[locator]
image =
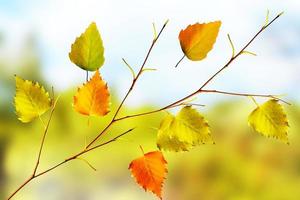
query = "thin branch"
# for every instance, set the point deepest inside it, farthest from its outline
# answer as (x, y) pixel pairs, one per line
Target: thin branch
(249, 52)
(149, 69)
(240, 52)
(130, 68)
(232, 46)
(246, 95)
(267, 18)
(44, 137)
(130, 88)
(34, 176)
(39, 154)
(87, 162)
(154, 31)
(208, 80)
(181, 59)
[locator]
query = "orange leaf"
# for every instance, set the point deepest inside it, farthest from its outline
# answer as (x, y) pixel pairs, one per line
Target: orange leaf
(93, 97)
(198, 39)
(149, 171)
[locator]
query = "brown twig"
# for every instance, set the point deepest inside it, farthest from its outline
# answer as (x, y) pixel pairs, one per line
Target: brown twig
(44, 137)
(34, 176)
(134, 81)
(246, 95)
(39, 154)
(208, 80)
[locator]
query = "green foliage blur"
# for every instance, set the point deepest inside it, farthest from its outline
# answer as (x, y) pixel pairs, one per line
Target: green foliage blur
(242, 164)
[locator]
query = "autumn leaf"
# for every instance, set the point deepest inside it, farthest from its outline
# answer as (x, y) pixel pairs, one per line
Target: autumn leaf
(93, 97)
(31, 100)
(87, 52)
(181, 132)
(198, 39)
(150, 171)
(270, 120)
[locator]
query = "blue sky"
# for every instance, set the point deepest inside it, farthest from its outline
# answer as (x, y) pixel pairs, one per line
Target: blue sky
(126, 28)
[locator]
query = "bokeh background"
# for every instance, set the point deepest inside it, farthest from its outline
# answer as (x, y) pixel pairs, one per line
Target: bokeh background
(35, 38)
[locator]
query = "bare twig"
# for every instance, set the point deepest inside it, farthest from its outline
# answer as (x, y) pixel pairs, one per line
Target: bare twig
(34, 176)
(208, 80)
(39, 154)
(44, 137)
(247, 95)
(134, 81)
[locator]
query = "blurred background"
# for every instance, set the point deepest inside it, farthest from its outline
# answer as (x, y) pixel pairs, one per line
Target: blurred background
(35, 38)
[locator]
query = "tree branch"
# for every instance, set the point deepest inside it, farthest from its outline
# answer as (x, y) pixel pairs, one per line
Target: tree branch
(246, 95)
(174, 104)
(134, 81)
(43, 138)
(208, 80)
(34, 176)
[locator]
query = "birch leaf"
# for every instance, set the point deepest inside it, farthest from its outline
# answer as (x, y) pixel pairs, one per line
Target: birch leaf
(87, 52)
(270, 120)
(31, 100)
(150, 171)
(92, 98)
(181, 132)
(198, 39)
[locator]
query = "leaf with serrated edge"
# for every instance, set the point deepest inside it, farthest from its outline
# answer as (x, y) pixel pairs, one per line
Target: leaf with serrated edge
(150, 171)
(93, 98)
(198, 39)
(31, 100)
(87, 52)
(270, 120)
(182, 132)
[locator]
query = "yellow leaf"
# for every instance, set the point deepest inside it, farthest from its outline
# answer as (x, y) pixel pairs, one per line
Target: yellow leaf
(198, 39)
(270, 120)
(31, 100)
(87, 50)
(180, 133)
(93, 97)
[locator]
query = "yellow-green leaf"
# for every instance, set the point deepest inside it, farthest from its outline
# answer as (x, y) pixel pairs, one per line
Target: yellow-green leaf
(183, 131)
(270, 120)
(87, 52)
(198, 39)
(31, 100)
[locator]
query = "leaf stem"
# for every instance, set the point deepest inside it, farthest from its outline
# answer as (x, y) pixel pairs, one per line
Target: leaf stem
(181, 59)
(87, 76)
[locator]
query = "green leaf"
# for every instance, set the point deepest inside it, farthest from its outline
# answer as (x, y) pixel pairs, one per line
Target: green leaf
(270, 120)
(181, 132)
(87, 52)
(31, 100)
